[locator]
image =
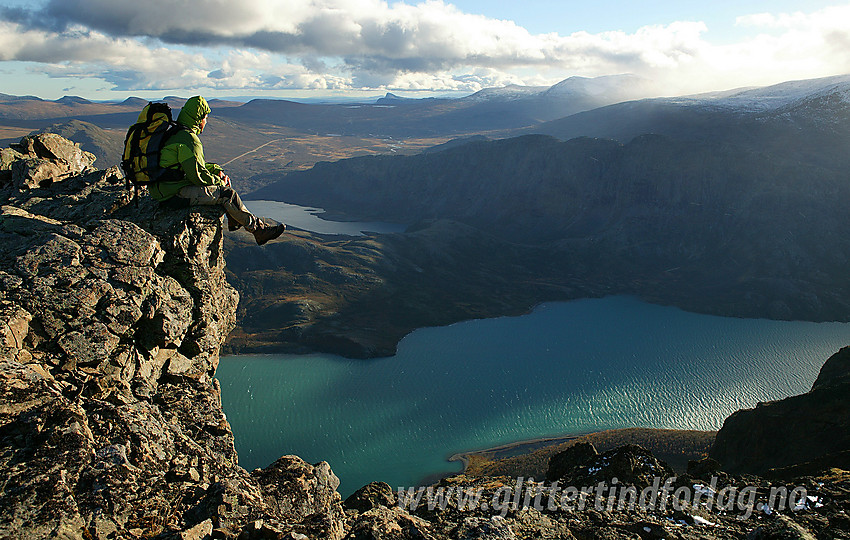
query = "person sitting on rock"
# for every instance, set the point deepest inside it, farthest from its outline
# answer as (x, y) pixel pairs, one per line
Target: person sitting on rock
(204, 183)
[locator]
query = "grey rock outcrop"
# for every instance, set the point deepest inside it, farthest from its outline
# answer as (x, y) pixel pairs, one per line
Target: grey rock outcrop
(111, 319)
(631, 464)
(781, 528)
(795, 435)
(40, 160)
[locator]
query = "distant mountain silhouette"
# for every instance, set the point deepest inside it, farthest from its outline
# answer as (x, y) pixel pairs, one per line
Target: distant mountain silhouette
(73, 100)
(392, 99)
(34, 108)
(506, 108)
(135, 102)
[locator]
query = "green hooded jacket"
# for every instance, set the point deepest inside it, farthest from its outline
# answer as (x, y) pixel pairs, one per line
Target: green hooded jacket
(184, 149)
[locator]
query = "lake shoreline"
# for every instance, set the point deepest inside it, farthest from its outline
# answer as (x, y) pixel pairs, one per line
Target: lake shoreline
(316, 220)
(512, 448)
(522, 450)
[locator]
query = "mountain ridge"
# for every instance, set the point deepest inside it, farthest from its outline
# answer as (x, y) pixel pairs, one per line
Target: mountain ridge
(713, 116)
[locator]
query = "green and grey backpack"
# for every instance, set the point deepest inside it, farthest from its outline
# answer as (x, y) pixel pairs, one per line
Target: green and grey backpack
(143, 144)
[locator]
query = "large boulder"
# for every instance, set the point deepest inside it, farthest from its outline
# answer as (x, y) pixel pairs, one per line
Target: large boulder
(42, 159)
(630, 464)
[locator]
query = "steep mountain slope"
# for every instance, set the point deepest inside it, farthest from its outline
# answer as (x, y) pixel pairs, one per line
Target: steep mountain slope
(783, 135)
(111, 319)
(793, 436)
(709, 228)
(359, 296)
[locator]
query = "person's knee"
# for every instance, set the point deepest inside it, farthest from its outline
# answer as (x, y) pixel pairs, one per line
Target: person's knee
(228, 194)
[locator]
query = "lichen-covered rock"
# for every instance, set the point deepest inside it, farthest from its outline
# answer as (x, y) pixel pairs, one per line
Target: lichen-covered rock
(780, 528)
(563, 464)
(297, 489)
(7, 157)
(629, 464)
(112, 314)
(476, 528)
(44, 159)
(390, 524)
(371, 496)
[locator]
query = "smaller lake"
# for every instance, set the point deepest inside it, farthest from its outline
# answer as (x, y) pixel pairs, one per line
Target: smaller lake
(309, 219)
(565, 368)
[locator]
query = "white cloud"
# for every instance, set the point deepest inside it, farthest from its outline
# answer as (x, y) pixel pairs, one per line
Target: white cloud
(127, 63)
(344, 44)
(784, 47)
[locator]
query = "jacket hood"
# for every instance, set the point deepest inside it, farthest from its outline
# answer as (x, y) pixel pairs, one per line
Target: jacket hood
(195, 109)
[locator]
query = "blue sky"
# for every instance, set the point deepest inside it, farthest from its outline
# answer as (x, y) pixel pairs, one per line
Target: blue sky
(110, 49)
(602, 15)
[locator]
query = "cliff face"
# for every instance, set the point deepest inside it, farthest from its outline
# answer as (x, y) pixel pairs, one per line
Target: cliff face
(796, 435)
(731, 230)
(111, 319)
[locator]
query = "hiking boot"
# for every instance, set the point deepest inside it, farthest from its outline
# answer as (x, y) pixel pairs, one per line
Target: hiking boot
(265, 233)
(232, 224)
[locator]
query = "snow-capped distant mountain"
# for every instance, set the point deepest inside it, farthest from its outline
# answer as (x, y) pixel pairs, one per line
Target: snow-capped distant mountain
(608, 89)
(817, 103)
(533, 104)
(771, 97)
(610, 85)
(510, 92)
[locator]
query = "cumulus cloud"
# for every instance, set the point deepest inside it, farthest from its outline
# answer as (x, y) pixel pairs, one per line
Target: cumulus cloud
(794, 46)
(428, 36)
(344, 44)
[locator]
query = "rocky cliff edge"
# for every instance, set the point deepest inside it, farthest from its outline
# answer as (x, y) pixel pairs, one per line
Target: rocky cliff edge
(111, 317)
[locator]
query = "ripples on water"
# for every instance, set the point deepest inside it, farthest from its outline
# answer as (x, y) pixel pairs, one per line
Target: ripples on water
(565, 368)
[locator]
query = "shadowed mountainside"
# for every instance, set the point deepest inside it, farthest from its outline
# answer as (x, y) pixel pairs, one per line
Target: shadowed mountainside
(726, 230)
(745, 219)
(808, 119)
(359, 296)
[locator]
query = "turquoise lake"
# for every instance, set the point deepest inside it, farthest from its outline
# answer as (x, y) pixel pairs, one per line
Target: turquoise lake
(565, 368)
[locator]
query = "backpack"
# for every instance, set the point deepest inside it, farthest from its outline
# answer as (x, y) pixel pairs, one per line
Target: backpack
(143, 144)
